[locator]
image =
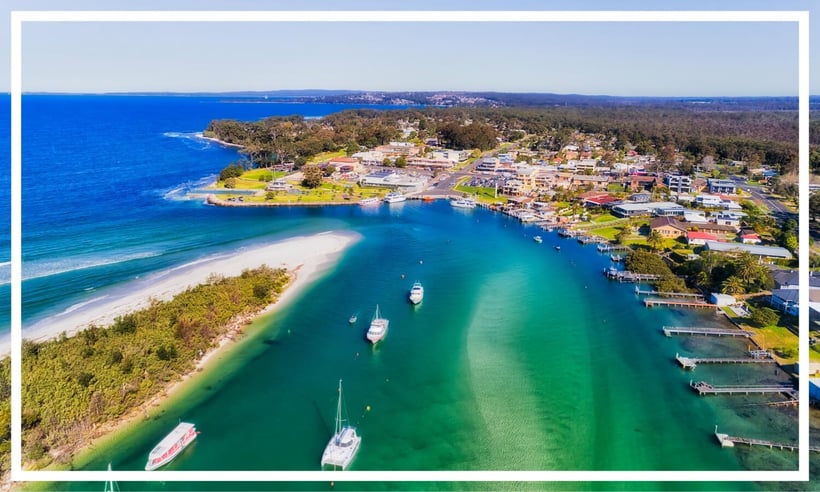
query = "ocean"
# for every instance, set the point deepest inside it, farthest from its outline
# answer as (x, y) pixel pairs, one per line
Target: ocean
(520, 357)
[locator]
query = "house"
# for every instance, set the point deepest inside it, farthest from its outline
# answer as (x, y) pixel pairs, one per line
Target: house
(717, 229)
(594, 182)
(722, 186)
(679, 184)
(708, 200)
(594, 199)
(513, 187)
(722, 299)
(632, 209)
(786, 300)
(698, 238)
(749, 237)
(667, 227)
(488, 165)
(640, 182)
(344, 165)
(727, 219)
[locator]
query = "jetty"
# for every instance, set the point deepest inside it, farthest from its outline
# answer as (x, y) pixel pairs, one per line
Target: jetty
(704, 388)
(682, 295)
(696, 330)
(756, 357)
(627, 276)
(727, 441)
(606, 248)
(677, 303)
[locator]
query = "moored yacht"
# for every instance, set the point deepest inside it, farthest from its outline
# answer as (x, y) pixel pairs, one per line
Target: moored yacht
(416, 293)
(463, 203)
(394, 197)
(343, 446)
(378, 327)
(373, 200)
(171, 445)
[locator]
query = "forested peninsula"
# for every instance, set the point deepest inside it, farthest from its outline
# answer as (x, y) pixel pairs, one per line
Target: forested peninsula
(73, 385)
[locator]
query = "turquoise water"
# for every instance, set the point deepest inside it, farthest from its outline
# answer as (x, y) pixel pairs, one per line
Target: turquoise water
(519, 358)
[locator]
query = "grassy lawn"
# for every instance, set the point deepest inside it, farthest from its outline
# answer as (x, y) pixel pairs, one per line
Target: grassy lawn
(482, 193)
(607, 232)
(607, 217)
(777, 339)
(326, 156)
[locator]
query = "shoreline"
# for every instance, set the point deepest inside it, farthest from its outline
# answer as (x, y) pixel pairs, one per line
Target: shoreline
(239, 330)
(310, 253)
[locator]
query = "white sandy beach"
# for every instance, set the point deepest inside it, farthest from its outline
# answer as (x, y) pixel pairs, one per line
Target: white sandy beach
(310, 254)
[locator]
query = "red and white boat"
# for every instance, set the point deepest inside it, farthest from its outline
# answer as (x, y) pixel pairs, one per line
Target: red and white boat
(171, 445)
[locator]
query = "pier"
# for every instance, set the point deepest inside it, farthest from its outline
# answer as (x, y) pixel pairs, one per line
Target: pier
(606, 248)
(728, 441)
(677, 303)
(704, 388)
(692, 362)
(682, 295)
(695, 330)
(627, 276)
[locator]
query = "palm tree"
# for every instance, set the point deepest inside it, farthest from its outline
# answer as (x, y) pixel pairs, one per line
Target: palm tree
(654, 239)
(733, 285)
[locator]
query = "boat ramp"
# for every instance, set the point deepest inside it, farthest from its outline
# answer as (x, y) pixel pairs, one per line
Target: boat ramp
(696, 330)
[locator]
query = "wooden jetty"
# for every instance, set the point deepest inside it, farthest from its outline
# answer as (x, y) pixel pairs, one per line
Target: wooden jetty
(704, 388)
(606, 248)
(590, 239)
(728, 441)
(682, 295)
(627, 276)
(696, 330)
(677, 303)
(692, 362)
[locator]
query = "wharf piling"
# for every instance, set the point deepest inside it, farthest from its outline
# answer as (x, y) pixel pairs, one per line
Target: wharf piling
(696, 330)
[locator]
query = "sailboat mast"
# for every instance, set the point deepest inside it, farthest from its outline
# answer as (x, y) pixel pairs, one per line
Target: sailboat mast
(339, 410)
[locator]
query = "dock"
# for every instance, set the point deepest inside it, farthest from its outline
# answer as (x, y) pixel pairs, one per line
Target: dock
(682, 295)
(606, 248)
(677, 303)
(692, 362)
(696, 330)
(627, 276)
(728, 441)
(704, 388)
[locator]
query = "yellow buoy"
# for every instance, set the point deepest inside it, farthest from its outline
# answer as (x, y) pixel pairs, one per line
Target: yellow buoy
(367, 408)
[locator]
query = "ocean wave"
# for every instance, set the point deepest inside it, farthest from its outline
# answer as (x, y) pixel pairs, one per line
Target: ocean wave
(46, 268)
(74, 307)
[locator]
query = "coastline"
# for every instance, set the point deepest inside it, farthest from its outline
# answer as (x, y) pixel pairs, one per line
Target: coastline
(324, 250)
(218, 141)
(308, 253)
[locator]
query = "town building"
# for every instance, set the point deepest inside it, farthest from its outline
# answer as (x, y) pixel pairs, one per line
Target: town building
(763, 252)
(679, 184)
(722, 186)
(634, 209)
(668, 227)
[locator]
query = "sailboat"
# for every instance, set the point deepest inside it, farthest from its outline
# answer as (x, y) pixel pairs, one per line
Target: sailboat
(343, 446)
(110, 485)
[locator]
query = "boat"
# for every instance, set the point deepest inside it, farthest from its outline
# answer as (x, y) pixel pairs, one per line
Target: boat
(537, 239)
(557, 248)
(343, 446)
(378, 327)
(394, 197)
(616, 258)
(416, 293)
(428, 199)
(463, 203)
(373, 200)
(353, 318)
(171, 445)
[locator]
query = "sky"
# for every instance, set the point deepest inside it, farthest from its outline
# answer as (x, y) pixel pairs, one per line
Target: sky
(623, 59)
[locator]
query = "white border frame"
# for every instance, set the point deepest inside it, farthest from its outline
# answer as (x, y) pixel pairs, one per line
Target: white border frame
(20, 17)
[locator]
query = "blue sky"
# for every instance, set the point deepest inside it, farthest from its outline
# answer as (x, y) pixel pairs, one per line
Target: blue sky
(634, 59)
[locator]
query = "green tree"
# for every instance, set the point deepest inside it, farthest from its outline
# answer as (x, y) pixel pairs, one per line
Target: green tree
(654, 240)
(622, 235)
(312, 176)
(733, 285)
(230, 183)
(401, 162)
(765, 316)
(233, 170)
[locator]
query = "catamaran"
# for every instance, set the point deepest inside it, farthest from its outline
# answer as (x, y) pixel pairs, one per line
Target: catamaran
(416, 293)
(378, 327)
(171, 445)
(343, 446)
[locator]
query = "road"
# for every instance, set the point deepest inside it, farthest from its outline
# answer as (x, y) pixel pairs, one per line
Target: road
(777, 208)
